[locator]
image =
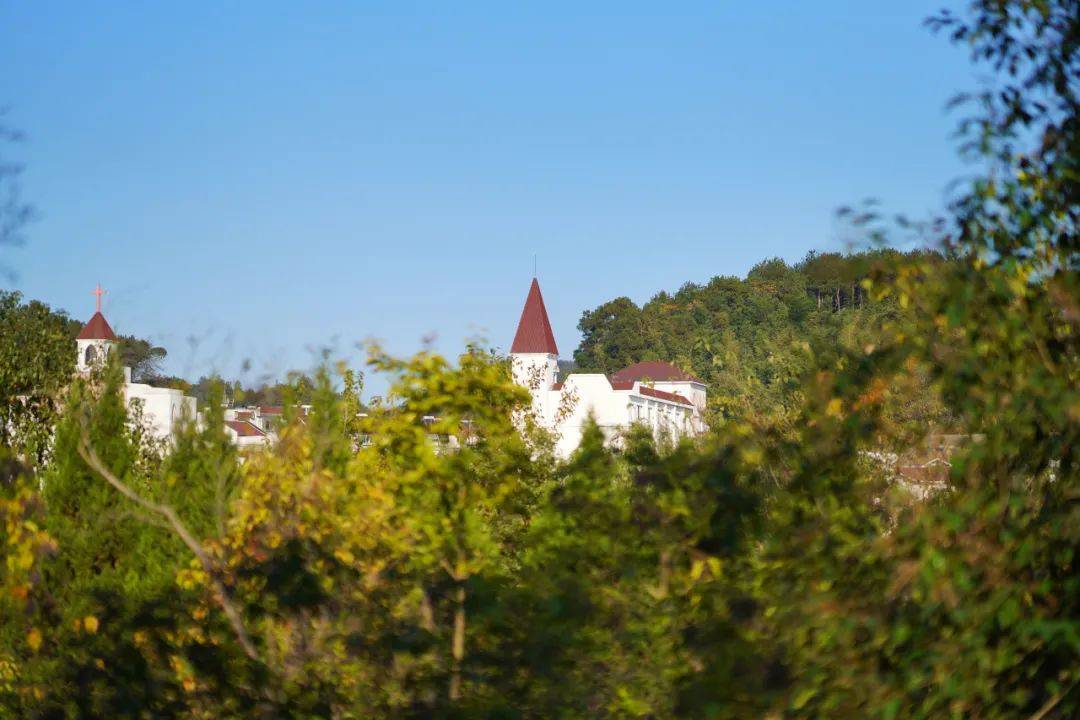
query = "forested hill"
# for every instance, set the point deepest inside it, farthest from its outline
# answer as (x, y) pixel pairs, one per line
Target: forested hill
(748, 338)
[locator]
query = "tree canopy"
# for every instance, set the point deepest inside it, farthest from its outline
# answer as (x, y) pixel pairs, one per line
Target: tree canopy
(753, 340)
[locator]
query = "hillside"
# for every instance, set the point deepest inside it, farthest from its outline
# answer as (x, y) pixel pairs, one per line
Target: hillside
(750, 339)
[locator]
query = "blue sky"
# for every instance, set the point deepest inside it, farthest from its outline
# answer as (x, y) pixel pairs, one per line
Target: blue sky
(270, 177)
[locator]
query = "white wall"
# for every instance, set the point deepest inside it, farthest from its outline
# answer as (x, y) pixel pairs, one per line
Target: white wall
(102, 348)
(246, 441)
(695, 392)
(163, 409)
(536, 371)
(566, 411)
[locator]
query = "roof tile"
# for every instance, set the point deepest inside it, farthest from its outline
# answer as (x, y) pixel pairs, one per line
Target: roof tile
(244, 429)
(534, 329)
(661, 395)
(97, 329)
(653, 370)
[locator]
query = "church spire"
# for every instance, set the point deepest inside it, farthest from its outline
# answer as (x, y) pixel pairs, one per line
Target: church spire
(98, 327)
(534, 329)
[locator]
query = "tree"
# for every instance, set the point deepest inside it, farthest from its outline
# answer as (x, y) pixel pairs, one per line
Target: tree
(612, 336)
(142, 357)
(37, 359)
(463, 491)
(967, 605)
(351, 406)
(752, 340)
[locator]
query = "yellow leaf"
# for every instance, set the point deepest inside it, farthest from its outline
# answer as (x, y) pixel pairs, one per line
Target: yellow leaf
(91, 624)
(33, 639)
(836, 405)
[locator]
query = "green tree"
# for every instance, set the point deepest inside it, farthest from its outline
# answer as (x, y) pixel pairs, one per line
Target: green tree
(142, 357)
(37, 359)
(351, 406)
(613, 336)
(965, 607)
(752, 339)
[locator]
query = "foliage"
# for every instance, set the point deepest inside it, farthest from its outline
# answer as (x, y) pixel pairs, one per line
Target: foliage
(37, 358)
(143, 357)
(351, 406)
(37, 361)
(24, 545)
(754, 340)
(297, 387)
(968, 606)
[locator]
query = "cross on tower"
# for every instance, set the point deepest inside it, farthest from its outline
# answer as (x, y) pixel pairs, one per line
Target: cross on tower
(98, 292)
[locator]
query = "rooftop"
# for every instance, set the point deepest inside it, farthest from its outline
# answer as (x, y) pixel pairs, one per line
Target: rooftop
(97, 329)
(244, 429)
(661, 395)
(653, 370)
(534, 329)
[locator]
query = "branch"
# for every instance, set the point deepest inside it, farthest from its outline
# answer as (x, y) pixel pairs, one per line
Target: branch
(174, 522)
(1052, 703)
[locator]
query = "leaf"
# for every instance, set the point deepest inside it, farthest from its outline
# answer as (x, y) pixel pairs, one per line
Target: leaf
(33, 639)
(803, 697)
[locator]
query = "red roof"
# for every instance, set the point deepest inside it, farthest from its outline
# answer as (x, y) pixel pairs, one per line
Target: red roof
(97, 329)
(534, 329)
(652, 370)
(271, 409)
(244, 429)
(621, 384)
(660, 394)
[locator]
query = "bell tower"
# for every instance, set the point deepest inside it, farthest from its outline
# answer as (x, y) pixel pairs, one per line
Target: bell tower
(534, 355)
(95, 341)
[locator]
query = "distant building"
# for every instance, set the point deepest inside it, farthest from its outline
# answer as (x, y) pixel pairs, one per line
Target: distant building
(162, 410)
(245, 434)
(658, 395)
(258, 425)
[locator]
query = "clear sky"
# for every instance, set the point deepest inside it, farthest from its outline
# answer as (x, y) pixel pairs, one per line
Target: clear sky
(270, 177)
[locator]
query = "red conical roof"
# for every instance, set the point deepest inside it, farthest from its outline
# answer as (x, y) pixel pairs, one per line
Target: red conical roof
(97, 329)
(534, 329)
(652, 370)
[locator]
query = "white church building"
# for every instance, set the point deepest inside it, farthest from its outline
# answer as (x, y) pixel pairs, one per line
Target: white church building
(658, 394)
(162, 409)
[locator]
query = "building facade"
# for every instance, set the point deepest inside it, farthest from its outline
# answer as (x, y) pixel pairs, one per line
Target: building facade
(658, 395)
(161, 411)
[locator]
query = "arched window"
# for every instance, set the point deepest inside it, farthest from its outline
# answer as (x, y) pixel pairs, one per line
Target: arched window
(91, 355)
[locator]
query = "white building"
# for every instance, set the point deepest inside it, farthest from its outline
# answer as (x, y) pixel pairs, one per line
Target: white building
(258, 425)
(245, 435)
(162, 410)
(251, 427)
(657, 394)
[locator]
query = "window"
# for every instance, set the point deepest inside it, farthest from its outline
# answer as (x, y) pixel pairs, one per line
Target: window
(91, 355)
